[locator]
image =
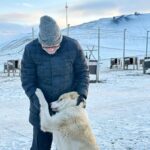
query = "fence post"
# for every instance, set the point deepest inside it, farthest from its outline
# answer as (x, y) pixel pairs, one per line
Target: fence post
(124, 47)
(68, 27)
(147, 43)
(98, 62)
(32, 33)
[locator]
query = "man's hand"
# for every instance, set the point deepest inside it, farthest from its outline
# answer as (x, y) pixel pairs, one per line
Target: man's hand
(82, 100)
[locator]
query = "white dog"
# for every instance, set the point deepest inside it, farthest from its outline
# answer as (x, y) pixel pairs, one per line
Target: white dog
(70, 125)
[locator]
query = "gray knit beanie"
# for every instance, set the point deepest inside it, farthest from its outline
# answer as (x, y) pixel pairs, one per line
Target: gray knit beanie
(49, 32)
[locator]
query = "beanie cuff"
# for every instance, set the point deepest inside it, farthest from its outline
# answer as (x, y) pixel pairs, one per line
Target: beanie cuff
(48, 43)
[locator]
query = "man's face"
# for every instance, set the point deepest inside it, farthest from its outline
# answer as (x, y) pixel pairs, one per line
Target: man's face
(50, 49)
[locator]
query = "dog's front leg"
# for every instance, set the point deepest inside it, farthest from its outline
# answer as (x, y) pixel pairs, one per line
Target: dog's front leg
(46, 120)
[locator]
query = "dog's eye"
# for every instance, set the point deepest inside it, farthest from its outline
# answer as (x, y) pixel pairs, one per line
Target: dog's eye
(60, 99)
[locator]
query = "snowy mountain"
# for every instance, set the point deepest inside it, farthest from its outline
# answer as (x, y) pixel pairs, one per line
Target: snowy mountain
(8, 31)
(13, 38)
(112, 34)
(130, 22)
(112, 31)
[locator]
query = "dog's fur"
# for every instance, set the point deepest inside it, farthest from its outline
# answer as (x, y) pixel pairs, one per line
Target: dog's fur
(70, 125)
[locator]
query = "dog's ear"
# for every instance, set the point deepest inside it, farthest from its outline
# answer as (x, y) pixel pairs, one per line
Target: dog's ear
(74, 95)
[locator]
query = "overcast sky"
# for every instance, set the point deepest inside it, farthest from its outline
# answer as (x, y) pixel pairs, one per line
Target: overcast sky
(79, 11)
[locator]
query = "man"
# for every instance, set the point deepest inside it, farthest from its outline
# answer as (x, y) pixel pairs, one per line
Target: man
(55, 64)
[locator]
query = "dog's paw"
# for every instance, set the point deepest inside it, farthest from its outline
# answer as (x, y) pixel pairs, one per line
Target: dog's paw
(41, 98)
(38, 92)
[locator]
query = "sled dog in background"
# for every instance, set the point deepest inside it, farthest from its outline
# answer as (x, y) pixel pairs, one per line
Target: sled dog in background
(70, 125)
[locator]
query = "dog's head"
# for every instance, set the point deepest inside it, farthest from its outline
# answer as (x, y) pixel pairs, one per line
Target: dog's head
(65, 101)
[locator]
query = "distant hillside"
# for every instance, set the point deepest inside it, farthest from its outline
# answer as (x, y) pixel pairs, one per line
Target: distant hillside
(132, 21)
(8, 31)
(13, 37)
(112, 34)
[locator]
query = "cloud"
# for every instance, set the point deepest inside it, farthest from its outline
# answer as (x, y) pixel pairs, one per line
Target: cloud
(94, 7)
(104, 8)
(27, 5)
(126, 6)
(78, 11)
(87, 10)
(22, 18)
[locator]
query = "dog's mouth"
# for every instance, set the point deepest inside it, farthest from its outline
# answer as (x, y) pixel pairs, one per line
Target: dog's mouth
(54, 106)
(55, 109)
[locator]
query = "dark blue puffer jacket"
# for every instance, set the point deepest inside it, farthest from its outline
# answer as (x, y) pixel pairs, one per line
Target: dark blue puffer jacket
(56, 74)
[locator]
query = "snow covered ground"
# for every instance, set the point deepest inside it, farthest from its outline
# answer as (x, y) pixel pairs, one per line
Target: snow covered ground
(118, 108)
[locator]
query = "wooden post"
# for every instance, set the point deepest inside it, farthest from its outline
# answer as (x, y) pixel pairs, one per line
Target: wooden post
(32, 33)
(147, 43)
(68, 29)
(98, 62)
(124, 47)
